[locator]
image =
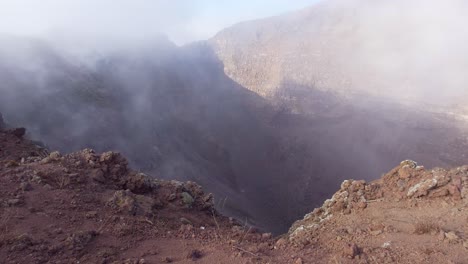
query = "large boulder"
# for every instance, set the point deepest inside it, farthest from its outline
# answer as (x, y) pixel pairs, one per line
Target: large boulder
(18, 132)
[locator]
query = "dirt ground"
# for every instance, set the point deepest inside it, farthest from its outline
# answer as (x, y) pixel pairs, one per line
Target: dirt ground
(87, 207)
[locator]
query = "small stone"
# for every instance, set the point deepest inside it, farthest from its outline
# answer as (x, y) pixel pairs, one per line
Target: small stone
(98, 175)
(11, 164)
(410, 163)
(387, 244)
(36, 179)
(422, 188)
(172, 197)
(14, 202)
(167, 260)
(55, 155)
(362, 205)
(195, 254)
(299, 261)
(267, 236)
(351, 251)
(123, 201)
(452, 237)
(439, 193)
(376, 232)
(79, 240)
(91, 214)
(185, 221)
(187, 199)
(45, 160)
(282, 242)
(18, 132)
(25, 186)
(345, 185)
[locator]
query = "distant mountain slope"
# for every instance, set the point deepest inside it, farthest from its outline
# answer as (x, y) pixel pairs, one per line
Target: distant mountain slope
(400, 49)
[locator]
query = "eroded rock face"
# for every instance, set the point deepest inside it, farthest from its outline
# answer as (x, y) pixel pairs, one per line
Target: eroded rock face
(312, 47)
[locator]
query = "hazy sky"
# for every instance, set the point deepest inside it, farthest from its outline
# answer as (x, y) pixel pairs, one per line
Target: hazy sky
(181, 20)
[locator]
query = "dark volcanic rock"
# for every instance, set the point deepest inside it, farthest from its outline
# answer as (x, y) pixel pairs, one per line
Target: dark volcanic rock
(2, 123)
(18, 132)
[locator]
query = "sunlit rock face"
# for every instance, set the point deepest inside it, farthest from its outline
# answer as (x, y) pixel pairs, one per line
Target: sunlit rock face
(405, 50)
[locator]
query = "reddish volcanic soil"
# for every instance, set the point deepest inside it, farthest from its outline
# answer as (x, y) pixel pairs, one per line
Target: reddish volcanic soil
(87, 207)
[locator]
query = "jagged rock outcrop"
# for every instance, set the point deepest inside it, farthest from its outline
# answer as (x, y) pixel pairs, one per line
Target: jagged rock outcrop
(84, 202)
(406, 182)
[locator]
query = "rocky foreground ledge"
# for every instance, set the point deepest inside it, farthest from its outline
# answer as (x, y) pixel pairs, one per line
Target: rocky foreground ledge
(410, 213)
(87, 207)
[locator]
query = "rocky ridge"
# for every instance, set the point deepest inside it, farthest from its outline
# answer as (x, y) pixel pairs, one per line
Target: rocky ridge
(419, 201)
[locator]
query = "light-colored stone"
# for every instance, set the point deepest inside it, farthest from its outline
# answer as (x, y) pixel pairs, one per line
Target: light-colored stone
(452, 237)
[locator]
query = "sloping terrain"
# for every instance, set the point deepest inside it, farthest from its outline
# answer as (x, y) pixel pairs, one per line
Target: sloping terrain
(91, 208)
